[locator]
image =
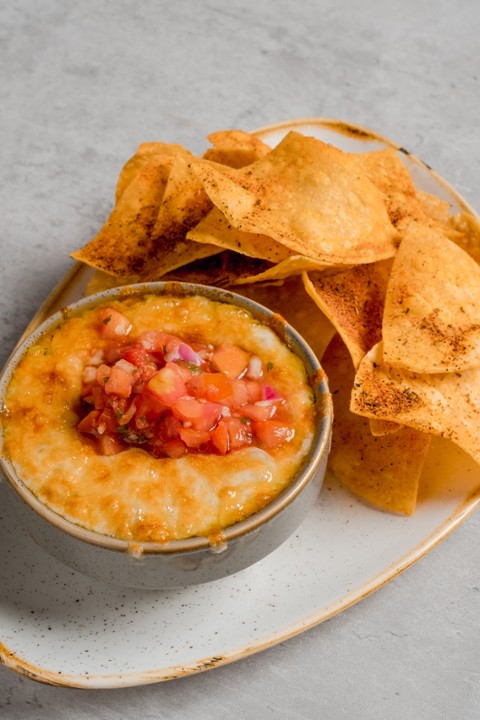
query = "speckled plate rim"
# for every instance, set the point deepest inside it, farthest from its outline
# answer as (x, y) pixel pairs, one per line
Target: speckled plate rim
(72, 286)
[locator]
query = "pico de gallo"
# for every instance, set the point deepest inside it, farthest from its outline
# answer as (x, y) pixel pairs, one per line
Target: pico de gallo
(171, 396)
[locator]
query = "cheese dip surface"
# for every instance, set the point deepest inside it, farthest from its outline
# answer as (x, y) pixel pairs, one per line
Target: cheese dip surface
(133, 487)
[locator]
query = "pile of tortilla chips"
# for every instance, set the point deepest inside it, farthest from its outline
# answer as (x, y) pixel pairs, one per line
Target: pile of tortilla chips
(380, 278)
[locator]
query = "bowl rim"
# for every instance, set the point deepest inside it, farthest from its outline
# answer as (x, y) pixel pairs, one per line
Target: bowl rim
(291, 337)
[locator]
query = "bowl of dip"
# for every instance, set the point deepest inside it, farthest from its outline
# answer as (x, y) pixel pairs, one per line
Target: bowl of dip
(163, 434)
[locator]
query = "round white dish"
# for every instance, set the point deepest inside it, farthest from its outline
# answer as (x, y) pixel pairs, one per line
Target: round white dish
(58, 626)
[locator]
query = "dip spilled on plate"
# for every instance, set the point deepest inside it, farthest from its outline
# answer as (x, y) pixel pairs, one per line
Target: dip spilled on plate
(158, 417)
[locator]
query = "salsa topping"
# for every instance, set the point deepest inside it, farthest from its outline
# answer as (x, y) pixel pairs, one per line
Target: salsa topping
(172, 397)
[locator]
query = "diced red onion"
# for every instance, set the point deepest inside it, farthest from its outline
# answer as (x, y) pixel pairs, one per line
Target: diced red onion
(89, 374)
(174, 354)
(255, 369)
(183, 352)
(269, 393)
(188, 354)
(127, 366)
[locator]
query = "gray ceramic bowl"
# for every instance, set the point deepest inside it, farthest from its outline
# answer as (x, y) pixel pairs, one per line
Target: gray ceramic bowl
(194, 560)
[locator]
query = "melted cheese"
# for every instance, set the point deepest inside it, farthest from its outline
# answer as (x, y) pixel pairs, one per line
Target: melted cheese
(133, 495)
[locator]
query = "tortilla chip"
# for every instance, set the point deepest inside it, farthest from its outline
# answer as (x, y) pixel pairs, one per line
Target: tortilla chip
(184, 202)
(382, 427)
(183, 205)
(431, 322)
(235, 148)
(403, 200)
(383, 471)
(387, 172)
(215, 229)
(142, 158)
(125, 243)
(467, 227)
(353, 301)
(289, 299)
(444, 404)
(309, 196)
(221, 270)
(434, 207)
(293, 265)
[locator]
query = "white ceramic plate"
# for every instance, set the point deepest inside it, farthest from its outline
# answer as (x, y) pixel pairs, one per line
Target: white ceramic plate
(62, 628)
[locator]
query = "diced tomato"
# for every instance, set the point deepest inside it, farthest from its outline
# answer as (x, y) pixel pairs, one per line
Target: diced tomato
(158, 342)
(98, 397)
(231, 360)
(258, 411)
(239, 434)
(167, 385)
(240, 394)
(168, 428)
(119, 382)
(220, 438)
(103, 373)
(254, 390)
(273, 433)
(113, 324)
(137, 355)
(194, 438)
(109, 444)
(127, 415)
(200, 415)
(175, 448)
(107, 422)
(148, 410)
(89, 423)
(211, 386)
(184, 371)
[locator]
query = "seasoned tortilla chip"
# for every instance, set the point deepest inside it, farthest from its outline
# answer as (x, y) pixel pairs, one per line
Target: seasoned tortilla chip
(125, 243)
(289, 299)
(383, 471)
(184, 202)
(309, 196)
(431, 321)
(183, 205)
(235, 148)
(387, 172)
(467, 227)
(353, 301)
(142, 158)
(444, 404)
(221, 270)
(215, 229)
(434, 207)
(403, 200)
(293, 265)
(382, 427)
